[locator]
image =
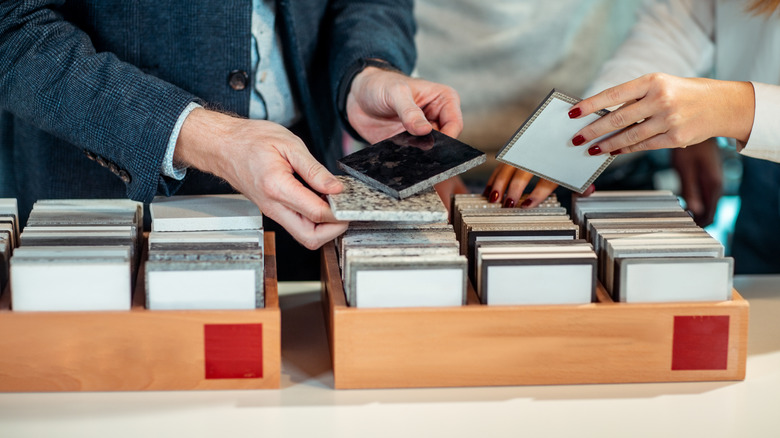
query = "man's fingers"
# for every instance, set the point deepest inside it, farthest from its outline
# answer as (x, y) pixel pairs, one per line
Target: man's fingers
(314, 173)
(289, 192)
(309, 234)
(412, 117)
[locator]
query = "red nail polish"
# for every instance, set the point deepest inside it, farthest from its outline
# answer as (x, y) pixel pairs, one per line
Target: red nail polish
(527, 203)
(578, 140)
(493, 196)
(509, 203)
(594, 150)
(615, 152)
(574, 113)
(486, 192)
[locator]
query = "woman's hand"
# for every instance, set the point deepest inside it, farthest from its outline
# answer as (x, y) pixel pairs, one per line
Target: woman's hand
(664, 111)
(512, 182)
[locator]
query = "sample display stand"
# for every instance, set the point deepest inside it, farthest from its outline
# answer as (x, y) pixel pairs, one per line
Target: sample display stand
(143, 349)
(478, 345)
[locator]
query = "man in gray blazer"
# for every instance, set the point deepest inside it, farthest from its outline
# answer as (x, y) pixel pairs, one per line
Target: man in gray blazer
(110, 98)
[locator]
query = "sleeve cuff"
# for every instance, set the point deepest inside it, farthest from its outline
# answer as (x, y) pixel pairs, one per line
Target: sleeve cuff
(168, 168)
(765, 134)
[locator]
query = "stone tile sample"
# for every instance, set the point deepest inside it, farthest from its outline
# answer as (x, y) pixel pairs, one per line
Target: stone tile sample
(204, 213)
(404, 164)
(359, 202)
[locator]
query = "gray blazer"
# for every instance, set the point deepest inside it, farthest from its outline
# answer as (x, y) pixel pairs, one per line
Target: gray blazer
(90, 89)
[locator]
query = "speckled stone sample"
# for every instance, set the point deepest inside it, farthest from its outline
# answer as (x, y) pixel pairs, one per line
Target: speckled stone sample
(359, 202)
(404, 164)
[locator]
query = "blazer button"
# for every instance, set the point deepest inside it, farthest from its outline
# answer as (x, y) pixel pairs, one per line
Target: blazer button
(124, 176)
(101, 161)
(90, 155)
(238, 80)
(113, 168)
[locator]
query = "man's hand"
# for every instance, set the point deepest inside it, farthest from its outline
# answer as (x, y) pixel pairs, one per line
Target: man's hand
(383, 103)
(259, 159)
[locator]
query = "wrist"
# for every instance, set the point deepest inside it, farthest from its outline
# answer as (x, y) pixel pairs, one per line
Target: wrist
(202, 140)
(347, 86)
(738, 109)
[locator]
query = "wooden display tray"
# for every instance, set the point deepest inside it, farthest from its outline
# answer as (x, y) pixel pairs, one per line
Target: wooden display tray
(143, 349)
(478, 345)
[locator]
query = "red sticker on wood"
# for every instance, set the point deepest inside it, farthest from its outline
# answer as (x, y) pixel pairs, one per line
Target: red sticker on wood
(700, 342)
(233, 351)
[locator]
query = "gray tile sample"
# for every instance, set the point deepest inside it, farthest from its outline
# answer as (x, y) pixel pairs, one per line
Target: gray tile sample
(359, 202)
(404, 164)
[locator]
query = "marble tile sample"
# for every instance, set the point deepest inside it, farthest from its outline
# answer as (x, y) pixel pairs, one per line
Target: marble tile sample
(206, 240)
(72, 278)
(204, 213)
(86, 212)
(359, 202)
(9, 212)
(674, 279)
(172, 284)
(406, 164)
(406, 281)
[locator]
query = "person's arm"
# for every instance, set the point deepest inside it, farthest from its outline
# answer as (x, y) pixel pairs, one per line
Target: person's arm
(367, 33)
(260, 159)
(669, 36)
(765, 131)
(52, 77)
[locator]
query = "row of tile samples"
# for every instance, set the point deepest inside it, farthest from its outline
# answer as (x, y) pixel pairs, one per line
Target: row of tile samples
(397, 253)
(651, 250)
(520, 256)
(75, 255)
(9, 236)
(205, 252)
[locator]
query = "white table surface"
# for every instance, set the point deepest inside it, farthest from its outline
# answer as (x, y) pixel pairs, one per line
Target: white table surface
(308, 406)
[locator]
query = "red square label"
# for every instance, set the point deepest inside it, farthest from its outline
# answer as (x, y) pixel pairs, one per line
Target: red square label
(700, 342)
(233, 351)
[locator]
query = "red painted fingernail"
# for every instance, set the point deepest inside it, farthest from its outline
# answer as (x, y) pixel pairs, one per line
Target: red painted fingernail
(493, 196)
(509, 203)
(594, 150)
(486, 192)
(527, 203)
(578, 140)
(615, 152)
(574, 113)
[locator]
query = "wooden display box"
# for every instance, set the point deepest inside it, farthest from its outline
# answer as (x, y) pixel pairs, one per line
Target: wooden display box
(478, 345)
(143, 349)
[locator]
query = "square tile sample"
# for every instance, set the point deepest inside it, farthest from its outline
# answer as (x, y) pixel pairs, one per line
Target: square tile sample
(359, 202)
(404, 164)
(542, 145)
(204, 213)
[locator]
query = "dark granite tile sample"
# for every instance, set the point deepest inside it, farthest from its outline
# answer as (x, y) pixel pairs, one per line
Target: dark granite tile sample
(404, 165)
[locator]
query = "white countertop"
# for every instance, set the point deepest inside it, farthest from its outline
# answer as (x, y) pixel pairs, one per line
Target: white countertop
(308, 406)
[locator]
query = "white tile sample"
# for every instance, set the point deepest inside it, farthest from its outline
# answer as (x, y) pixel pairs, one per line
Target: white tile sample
(204, 213)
